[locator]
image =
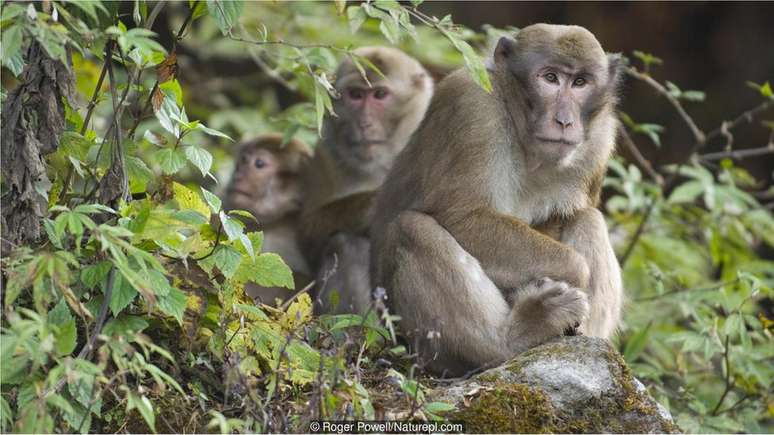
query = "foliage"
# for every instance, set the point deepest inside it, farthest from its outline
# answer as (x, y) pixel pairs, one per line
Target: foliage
(132, 312)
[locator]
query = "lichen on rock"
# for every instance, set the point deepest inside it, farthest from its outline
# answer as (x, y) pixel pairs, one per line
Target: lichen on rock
(572, 384)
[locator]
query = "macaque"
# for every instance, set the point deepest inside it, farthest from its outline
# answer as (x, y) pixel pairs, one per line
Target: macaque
(267, 183)
(376, 115)
(485, 234)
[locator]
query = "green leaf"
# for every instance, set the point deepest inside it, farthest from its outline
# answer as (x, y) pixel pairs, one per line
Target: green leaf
(227, 259)
(212, 200)
(139, 174)
(167, 113)
(170, 160)
(764, 89)
(200, 158)
(473, 62)
(95, 274)
(435, 407)
(174, 304)
(356, 17)
(124, 325)
(200, 10)
(11, 42)
(226, 13)
(233, 227)
(6, 415)
(636, 344)
(123, 294)
(267, 270)
(647, 58)
(144, 406)
(188, 199)
(686, 192)
(212, 132)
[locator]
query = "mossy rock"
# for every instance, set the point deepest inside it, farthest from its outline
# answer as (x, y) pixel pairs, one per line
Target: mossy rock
(571, 385)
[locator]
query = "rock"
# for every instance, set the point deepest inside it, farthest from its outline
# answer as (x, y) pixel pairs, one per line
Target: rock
(573, 384)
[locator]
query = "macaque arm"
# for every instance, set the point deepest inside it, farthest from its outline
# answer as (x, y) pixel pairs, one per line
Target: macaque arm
(513, 254)
(348, 214)
(586, 233)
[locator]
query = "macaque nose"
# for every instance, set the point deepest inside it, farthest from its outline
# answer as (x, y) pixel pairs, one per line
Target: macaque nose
(564, 118)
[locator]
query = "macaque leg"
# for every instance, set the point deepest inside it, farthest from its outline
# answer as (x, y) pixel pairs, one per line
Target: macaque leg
(587, 233)
(459, 319)
(344, 271)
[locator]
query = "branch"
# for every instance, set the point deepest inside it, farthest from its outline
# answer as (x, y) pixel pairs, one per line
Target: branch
(729, 381)
(739, 154)
(698, 135)
(638, 157)
(725, 127)
(100, 322)
(178, 38)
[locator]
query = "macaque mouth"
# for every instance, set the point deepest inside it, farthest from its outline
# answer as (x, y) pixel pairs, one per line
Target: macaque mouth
(234, 190)
(559, 141)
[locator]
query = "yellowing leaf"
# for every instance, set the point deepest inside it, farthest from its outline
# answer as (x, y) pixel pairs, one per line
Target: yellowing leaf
(190, 200)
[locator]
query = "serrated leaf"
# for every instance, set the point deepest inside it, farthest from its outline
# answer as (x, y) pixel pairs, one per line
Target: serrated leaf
(225, 13)
(95, 274)
(212, 132)
(200, 158)
(212, 200)
(123, 294)
(227, 259)
(232, 227)
(125, 325)
(139, 174)
(267, 270)
(173, 304)
(188, 199)
(11, 42)
(636, 344)
(356, 17)
(170, 160)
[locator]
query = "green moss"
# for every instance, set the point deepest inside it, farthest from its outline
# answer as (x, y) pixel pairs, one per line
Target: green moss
(517, 407)
(514, 408)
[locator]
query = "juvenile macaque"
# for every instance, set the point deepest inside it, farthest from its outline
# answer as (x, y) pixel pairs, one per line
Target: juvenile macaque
(485, 234)
(375, 118)
(267, 183)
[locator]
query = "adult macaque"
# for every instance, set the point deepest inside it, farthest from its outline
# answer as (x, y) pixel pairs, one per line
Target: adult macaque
(375, 118)
(462, 227)
(267, 183)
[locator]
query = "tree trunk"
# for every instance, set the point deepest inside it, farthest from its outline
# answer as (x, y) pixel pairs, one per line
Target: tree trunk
(33, 117)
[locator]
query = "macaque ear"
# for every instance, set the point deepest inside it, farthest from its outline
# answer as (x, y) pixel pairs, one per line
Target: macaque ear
(616, 64)
(506, 48)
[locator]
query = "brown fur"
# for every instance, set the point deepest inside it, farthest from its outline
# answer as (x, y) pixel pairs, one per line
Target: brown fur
(273, 195)
(483, 234)
(348, 169)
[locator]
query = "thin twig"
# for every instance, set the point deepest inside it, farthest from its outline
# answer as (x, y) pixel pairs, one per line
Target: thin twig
(698, 135)
(739, 154)
(746, 116)
(729, 380)
(687, 290)
(100, 322)
(287, 303)
(638, 157)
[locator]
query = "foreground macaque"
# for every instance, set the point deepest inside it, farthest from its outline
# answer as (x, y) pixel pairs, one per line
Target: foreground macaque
(375, 119)
(460, 231)
(267, 183)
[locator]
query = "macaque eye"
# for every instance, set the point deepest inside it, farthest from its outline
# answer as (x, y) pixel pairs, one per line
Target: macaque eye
(551, 78)
(579, 82)
(380, 93)
(356, 94)
(259, 163)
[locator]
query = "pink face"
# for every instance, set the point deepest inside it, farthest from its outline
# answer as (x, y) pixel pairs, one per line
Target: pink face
(368, 108)
(565, 94)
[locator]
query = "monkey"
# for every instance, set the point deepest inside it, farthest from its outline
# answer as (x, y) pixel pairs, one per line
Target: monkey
(267, 183)
(376, 115)
(485, 234)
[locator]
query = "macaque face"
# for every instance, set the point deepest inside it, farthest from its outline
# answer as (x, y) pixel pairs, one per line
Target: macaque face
(562, 91)
(264, 184)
